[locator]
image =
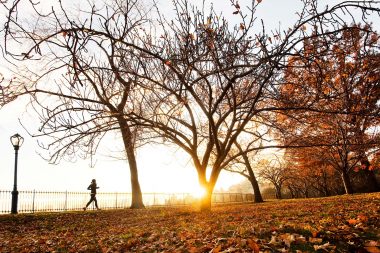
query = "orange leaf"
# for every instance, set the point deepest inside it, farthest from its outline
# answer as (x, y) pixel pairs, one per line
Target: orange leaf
(168, 62)
(362, 218)
(217, 249)
(372, 244)
(259, 1)
(194, 250)
(372, 249)
(315, 240)
(352, 221)
(253, 245)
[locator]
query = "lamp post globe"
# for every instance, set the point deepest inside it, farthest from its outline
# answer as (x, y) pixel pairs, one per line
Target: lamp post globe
(16, 140)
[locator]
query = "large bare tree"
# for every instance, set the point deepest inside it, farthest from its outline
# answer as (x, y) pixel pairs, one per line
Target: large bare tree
(70, 64)
(206, 79)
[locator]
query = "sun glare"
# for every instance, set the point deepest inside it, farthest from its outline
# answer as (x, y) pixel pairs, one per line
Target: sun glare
(198, 192)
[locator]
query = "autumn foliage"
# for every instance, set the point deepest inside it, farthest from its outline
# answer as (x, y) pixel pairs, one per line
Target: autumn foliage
(336, 81)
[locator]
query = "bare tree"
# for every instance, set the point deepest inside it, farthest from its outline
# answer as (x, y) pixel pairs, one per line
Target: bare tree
(204, 87)
(6, 94)
(75, 76)
(206, 79)
(3, 97)
(275, 171)
(245, 164)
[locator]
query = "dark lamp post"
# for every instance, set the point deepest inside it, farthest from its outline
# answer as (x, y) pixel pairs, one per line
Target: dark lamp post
(16, 141)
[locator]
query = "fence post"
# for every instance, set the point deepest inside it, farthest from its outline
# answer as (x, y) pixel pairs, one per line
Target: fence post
(34, 195)
(66, 201)
(116, 201)
(154, 198)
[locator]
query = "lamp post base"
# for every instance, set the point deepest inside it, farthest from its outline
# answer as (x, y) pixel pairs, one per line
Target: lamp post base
(14, 202)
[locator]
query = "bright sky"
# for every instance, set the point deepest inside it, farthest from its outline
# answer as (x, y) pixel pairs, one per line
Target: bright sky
(160, 169)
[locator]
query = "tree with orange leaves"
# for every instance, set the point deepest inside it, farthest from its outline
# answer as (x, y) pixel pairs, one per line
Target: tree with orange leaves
(309, 175)
(337, 82)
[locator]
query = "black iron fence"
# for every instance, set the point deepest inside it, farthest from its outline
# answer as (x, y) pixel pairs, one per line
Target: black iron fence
(48, 201)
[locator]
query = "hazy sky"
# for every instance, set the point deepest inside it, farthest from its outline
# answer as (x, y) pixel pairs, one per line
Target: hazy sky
(160, 169)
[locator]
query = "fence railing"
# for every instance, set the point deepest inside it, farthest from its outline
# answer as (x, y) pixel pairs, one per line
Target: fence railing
(49, 201)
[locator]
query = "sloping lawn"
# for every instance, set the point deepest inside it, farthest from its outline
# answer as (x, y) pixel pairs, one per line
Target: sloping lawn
(335, 224)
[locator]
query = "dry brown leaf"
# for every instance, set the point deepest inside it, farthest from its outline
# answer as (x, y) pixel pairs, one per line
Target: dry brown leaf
(217, 249)
(253, 245)
(323, 246)
(362, 218)
(194, 250)
(315, 240)
(372, 249)
(372, 244)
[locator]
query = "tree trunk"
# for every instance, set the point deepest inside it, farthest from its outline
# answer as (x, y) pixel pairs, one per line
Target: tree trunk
(137, 201)
(252, 179)
(278, 192)
(326, 191)
(208, 186)
(205, 204)
(372, 184)
(306, 190)
(306, 193)
(347, 182)
(256, 191)
(292, 194)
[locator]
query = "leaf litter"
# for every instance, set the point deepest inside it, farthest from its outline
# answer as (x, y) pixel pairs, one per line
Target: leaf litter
(348, 223)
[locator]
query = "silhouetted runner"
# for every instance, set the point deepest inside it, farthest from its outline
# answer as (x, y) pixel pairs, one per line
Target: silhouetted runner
(93, 188)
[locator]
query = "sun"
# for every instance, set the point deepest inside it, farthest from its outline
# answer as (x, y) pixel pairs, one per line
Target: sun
(198, 192)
